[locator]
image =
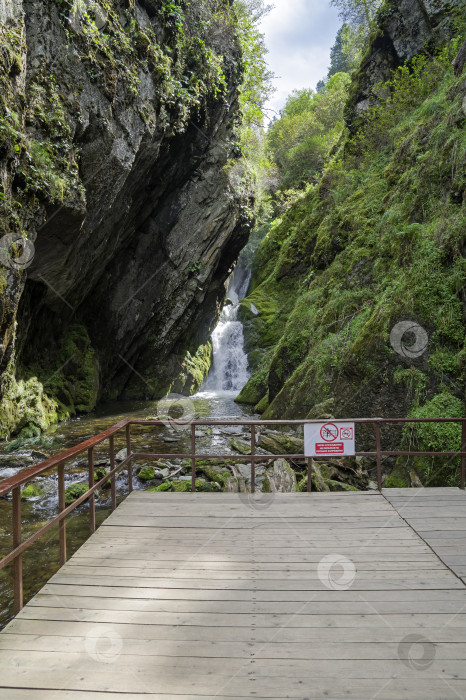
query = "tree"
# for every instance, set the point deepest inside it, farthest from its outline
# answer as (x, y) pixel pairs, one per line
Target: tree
(338, 60)
(310, 125)
(357, 12)
(257, 81)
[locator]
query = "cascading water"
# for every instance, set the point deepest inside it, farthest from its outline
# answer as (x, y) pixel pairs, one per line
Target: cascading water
(230, 363)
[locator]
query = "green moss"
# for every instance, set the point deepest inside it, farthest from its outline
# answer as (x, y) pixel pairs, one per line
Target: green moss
(255, 388)
(378, 241)
(396, 481)
(339, 486)
(146, 473)
(240, 446)
(212, 472)
(263, 404)
(184, 486)
(194, 370)
(31, 491)
(99, 474)
(75, 491)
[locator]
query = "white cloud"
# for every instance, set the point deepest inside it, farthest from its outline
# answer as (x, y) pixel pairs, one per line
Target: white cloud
(299, 35)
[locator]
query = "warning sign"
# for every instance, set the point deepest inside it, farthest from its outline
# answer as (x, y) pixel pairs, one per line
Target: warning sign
(329, 439)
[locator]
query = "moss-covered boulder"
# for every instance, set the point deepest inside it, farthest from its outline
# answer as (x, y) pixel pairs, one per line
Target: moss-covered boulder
(185, 486)
(146, 473)
(241, 446)
(32, 491)
(75, 491)
(281, 443)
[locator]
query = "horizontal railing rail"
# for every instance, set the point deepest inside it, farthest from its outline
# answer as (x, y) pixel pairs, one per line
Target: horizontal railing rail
(13, 484)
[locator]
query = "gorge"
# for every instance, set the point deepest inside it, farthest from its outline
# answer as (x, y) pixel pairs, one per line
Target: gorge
(129, 190)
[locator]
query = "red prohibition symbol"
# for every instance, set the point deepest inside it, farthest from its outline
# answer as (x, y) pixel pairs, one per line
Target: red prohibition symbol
(329, 432)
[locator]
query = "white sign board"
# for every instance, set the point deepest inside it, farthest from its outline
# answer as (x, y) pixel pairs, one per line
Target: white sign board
(329, 438)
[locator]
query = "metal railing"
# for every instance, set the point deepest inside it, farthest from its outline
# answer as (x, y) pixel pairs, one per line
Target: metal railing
(13, 484)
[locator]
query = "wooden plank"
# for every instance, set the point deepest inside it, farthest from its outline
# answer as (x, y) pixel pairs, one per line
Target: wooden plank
(177, 672)
(258, 635)
(371, 619)
(135, 565)
(413, 594)
(251, 607)
(405, 689)
(271, 650)
(180, 571)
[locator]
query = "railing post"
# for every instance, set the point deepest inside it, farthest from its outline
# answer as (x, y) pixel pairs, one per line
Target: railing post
(90, 462)
(463, 456)
(18, 562)
(128, 452)
(379, 457)
(61, 507)
(253, 458)
(193, 458)
(309, 474)
(112, 466)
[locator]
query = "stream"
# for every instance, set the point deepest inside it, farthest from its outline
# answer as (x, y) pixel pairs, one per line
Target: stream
(215, 400)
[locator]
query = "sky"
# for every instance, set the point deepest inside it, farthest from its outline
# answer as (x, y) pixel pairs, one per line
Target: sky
(299, 35)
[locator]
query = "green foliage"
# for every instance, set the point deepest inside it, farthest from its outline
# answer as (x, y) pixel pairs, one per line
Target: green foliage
(31, 492)
(69, 373)
(377, 240)
(257, 80)
(75, 491)
(184, 486)
(346, 52)
(146, 473)
(358, 12)
(310, 126)
(436, 437)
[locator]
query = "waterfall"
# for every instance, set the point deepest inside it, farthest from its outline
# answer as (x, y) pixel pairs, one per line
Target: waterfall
(229, 370)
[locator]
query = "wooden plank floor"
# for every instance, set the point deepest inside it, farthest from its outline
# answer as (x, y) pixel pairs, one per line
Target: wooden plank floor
(200, 596)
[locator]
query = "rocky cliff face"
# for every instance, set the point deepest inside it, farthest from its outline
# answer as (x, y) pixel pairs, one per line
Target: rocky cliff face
(117, 139)
(405, 28)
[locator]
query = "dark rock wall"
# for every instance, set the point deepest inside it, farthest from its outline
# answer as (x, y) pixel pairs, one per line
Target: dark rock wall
(132, 259)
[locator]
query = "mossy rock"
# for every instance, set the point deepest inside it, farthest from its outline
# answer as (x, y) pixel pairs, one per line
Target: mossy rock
(214, 474)
(263, 404)
(185, 486)
(30, 431)
(280, 443)
(396, 481)
(28, 443)
(339, 486)
(31, 492)
(99, 473)
(240, 446)
(73, 492)
(146, 473)
(142, 42)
